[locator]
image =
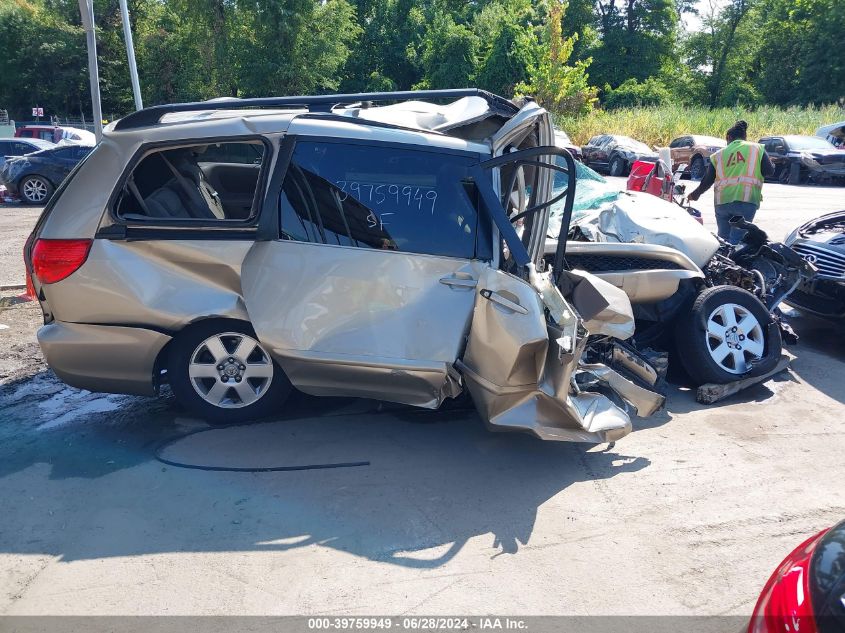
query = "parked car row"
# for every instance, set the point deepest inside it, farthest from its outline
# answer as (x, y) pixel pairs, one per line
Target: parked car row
(56, 134)
(797, 159)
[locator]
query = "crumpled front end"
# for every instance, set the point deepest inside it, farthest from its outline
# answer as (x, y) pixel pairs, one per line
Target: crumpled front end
(11, 170)
(824, 167)
(533, 378)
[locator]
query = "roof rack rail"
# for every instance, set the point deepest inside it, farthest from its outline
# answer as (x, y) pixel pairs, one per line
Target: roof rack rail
(314, 103)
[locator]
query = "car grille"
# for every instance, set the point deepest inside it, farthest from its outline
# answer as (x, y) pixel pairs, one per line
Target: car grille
(829, 263)
(610, 263)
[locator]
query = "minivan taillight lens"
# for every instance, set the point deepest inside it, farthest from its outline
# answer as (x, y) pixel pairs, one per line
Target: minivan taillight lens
(54, 260)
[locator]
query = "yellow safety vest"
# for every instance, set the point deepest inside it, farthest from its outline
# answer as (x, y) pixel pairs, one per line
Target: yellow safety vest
(739, 173)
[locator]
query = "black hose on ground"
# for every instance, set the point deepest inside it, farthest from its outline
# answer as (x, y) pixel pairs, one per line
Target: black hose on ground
(161, 446)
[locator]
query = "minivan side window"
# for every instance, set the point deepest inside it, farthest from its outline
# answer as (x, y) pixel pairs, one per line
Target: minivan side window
(388, 198)
(207, 183)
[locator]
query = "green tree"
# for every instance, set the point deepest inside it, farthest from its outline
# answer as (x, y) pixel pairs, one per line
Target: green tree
(638, 38)
(449, 54)
(555, 84)
(42, 61)
(387, 55)
(800, 60)
(513, 48)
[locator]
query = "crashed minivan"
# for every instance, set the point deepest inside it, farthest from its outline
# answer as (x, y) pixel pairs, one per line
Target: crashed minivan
(711, 305)
(236, 249)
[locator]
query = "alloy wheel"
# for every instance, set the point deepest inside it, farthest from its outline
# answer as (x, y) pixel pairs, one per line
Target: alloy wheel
(230, 370)
(34, 190)
(735, 338)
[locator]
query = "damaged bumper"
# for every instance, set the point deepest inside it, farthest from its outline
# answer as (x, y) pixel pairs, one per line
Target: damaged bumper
(543, 386)
(826, 167)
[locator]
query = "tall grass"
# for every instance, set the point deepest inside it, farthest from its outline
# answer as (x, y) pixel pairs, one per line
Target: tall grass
(659, 125)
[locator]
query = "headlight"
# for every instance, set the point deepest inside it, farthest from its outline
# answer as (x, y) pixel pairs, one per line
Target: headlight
(791, 237)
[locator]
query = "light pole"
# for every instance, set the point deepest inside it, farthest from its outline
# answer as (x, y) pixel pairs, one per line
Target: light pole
(130, 53)
(86, 9)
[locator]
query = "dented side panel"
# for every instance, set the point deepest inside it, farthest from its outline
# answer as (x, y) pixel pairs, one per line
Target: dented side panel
(163, 284)
(352, 321)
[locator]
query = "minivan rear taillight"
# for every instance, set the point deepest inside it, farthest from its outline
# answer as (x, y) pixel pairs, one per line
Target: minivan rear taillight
(53, 260)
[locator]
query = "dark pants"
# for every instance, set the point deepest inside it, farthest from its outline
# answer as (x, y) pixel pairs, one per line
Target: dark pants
(724, 212)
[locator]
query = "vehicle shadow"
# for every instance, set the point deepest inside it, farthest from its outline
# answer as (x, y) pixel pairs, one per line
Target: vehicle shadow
(822, 342)
(434, 480)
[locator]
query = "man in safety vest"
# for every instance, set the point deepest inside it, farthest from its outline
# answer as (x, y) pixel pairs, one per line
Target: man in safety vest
(737, 171)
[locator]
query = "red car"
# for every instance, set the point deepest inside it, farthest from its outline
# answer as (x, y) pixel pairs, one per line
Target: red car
(806, 593)
(56, 133)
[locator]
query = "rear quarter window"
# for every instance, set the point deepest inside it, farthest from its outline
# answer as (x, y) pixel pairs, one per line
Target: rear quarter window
(201, 183)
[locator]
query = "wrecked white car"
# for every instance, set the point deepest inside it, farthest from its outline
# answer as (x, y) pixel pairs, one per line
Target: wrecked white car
(711, 305)
(241, 248)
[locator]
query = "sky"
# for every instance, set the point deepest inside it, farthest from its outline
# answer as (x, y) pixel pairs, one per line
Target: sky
(693, 22)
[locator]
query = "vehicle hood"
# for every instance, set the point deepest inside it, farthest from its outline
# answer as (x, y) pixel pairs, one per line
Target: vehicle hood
(836, 130)
(641, 150)
(631, 154)
(836, 154)
(828, 230)
(635, 217)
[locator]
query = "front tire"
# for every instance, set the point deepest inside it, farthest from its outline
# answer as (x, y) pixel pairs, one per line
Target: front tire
(35, 189)
(727, 335)
(617, 166)
(219, 371)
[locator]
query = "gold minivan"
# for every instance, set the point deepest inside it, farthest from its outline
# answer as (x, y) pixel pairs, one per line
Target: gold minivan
(383, 245)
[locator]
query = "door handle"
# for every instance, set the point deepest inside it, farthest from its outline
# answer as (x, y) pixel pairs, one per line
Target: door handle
(459, 282)
(495, 297)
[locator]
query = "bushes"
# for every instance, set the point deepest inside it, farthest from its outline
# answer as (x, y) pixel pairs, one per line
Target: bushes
(659, 125)
(651, 92)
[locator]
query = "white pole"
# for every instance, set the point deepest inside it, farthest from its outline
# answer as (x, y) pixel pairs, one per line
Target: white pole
(130, 53)
(86, 9)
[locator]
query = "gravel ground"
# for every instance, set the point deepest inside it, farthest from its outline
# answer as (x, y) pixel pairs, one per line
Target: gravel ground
(687, 515)
(16, 222)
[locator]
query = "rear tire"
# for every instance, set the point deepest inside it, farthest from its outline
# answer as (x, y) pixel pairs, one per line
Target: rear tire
(727, 336)
(35, 189)
(617, 166)
(219, 371)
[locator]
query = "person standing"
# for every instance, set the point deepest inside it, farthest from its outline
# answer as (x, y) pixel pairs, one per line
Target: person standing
(737, 171)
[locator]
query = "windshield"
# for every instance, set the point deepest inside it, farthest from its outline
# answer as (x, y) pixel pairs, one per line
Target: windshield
(808, 142)
(40, 143)
(591, 192)
(637, 146)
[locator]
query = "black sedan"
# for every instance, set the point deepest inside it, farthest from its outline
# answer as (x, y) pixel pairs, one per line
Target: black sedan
(10, 147)
(615, 154)
(34, 177)
(822, 243)
(802, 159)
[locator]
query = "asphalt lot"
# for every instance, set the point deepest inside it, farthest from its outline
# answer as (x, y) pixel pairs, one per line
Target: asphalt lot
(689, 514)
